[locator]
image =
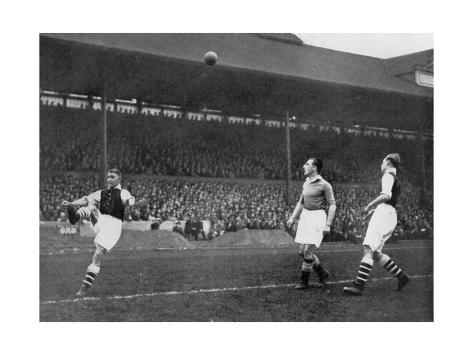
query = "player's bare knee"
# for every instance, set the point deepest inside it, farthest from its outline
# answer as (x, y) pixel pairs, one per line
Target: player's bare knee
(368, 254)
(382, 258)
(100, 251)
(377, 255)
(308, 251)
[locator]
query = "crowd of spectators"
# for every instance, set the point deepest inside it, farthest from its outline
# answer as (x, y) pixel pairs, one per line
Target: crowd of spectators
(70, 140)
(231, 206)
(158, 145)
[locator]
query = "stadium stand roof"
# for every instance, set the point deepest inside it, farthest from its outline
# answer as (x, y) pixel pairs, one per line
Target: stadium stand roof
(409, 62)
(264, 74)
(283, 54)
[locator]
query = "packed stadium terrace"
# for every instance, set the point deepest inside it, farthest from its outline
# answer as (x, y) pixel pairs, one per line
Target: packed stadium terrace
(228, 205)
(70, 141)
(159, 145)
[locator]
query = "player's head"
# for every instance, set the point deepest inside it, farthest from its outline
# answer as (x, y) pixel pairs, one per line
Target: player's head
(114, 177)
(392, 160)
(313, 165)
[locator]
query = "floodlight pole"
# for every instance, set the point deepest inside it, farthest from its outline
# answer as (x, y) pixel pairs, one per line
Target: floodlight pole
(288, 160)
(103, 180)
(422, 166)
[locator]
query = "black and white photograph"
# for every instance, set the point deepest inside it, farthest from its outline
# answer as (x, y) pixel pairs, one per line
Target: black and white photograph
(214, 177)
(236, 177)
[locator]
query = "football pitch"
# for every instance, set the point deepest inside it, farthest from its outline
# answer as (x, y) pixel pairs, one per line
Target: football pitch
(234, 284)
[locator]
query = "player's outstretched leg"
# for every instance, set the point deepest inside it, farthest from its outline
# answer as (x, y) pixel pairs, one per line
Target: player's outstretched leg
(386, 262)
(366, 265)
(72, 215)
(92, 271)
(76, 216)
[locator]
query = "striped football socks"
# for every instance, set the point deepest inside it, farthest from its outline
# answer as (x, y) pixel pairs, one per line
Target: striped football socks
(90, 275)
(364, 271)
(390, 266)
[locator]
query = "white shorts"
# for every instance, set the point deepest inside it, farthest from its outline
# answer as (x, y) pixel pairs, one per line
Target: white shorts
(381, 227)
(108, 231)
(310, 229)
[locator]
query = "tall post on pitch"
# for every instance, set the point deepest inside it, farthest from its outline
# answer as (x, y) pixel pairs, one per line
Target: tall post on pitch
(288, 159)
(103, 179)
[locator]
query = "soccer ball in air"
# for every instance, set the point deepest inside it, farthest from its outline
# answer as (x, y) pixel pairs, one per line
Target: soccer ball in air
(210, 58)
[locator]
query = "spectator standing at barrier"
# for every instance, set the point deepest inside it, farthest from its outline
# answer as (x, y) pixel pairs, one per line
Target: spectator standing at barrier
(317, 193)
(188, 230)
(199, 228)
(193, 228)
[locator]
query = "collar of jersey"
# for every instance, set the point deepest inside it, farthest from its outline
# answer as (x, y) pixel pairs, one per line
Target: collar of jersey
(317, 178)
(119, 187)
(390, 170)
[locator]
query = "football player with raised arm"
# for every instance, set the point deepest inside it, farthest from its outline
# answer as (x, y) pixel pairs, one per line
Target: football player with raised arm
(106, 210)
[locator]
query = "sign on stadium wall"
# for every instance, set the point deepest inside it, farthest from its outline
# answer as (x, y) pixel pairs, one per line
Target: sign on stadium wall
(67, 229)
(424, 78)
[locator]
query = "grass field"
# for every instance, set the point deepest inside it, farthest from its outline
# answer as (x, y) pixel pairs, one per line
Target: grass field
(233, 284)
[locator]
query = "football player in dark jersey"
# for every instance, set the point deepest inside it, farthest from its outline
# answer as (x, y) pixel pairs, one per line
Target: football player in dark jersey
(106, 210)
(380, 228)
